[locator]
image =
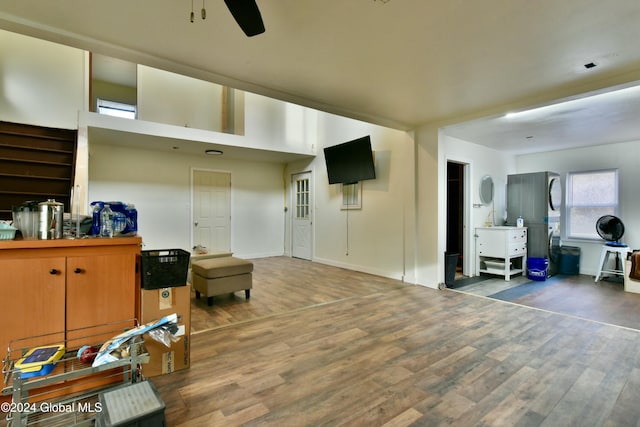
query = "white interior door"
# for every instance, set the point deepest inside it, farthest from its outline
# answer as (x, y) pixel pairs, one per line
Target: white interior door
(212, 210)
(301, 235)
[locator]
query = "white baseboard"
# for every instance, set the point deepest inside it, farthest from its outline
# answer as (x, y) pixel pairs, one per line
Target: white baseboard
(257, 255)
(359, 268)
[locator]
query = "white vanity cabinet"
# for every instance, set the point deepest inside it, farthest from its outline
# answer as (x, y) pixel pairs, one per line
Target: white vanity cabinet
(501, 250)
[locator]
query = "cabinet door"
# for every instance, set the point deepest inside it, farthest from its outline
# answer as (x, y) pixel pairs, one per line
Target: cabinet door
(492, 243)
(100, 290)
(31, 300)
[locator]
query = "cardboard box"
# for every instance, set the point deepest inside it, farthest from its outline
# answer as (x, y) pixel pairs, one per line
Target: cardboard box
(157, 303)
(630, 285)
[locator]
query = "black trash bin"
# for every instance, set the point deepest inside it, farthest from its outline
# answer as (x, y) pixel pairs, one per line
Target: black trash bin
(450, 264)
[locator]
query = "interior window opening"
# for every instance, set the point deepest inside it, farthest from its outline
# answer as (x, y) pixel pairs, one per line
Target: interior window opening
(117, 109)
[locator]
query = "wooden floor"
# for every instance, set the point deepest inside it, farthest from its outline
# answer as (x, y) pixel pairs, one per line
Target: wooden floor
(578, 296)
(322, 346)
(282, 285)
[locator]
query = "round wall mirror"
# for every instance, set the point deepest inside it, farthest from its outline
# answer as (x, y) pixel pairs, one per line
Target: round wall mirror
(486, 190)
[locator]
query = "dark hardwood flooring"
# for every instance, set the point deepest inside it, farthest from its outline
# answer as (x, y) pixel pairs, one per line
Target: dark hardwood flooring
(578, 296)
(322, 346)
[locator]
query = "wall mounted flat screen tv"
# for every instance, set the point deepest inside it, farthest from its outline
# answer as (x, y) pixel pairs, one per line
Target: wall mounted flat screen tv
(350, 162)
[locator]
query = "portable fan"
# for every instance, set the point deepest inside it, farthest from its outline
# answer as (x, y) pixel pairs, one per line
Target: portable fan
(611, 229)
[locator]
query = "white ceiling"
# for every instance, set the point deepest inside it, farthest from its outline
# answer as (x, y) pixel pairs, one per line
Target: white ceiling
(399, 63)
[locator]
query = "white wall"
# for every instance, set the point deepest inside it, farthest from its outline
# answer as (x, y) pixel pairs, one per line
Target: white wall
(433, 150)
(170, 98)
(380, 237)
(623, 156)
(158, 183)
(481, 161)
(429, 262)
(42, 82)
(279, 125)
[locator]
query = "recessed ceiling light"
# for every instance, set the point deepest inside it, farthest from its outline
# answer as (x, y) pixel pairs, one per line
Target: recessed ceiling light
(213, 152)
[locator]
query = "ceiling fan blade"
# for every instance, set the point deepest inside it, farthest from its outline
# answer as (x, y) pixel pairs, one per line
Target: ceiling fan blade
(247, 15)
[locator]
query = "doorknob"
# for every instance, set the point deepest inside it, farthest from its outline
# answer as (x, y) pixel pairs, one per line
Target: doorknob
(195, 223)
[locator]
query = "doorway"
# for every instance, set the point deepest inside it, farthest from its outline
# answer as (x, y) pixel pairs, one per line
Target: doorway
(302, 216)
(212, 210)
(455, 217)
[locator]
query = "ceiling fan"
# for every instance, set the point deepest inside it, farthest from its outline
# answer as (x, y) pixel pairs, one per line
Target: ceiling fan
(247, 15)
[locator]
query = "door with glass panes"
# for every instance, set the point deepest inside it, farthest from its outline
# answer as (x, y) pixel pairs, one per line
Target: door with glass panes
(301, 224)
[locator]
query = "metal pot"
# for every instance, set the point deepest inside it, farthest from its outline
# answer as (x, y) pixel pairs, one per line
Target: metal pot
(51, 215)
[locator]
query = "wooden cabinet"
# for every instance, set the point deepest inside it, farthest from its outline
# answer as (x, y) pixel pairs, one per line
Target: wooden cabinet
(61, 286)
(32, 298)
(501, 250)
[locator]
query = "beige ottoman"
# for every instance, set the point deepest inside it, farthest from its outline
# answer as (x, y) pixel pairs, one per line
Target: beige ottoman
(219, 276)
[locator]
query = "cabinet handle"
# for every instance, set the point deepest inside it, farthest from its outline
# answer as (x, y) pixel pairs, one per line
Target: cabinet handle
(53, 271)
(78, 270)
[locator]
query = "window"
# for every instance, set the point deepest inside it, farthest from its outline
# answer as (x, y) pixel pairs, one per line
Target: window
(352, 196)
(302, 198)
(590, 195)
(118, 109)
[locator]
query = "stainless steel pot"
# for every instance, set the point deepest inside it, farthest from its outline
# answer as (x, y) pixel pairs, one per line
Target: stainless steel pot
(50, 220)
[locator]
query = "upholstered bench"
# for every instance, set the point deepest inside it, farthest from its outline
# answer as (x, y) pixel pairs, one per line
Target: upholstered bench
(218, 276)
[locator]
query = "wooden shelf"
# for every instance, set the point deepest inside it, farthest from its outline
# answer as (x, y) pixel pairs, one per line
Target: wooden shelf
(37, 163)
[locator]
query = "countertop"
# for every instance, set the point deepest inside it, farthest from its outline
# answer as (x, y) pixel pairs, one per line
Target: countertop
(69, 243)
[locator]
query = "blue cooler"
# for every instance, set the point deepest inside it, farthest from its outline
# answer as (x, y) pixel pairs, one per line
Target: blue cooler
(537, 269)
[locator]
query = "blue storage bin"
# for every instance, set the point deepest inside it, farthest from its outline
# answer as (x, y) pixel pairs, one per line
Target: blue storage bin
(537, 269)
